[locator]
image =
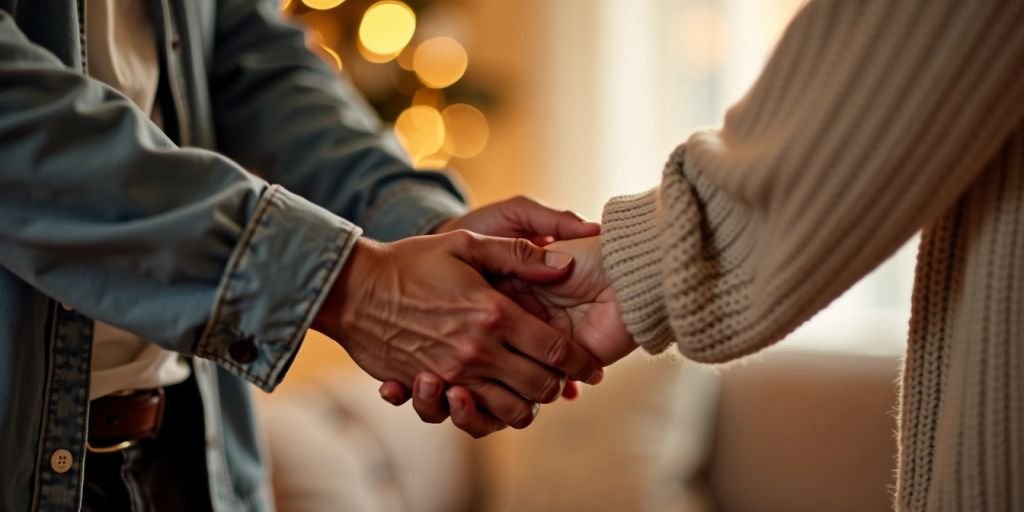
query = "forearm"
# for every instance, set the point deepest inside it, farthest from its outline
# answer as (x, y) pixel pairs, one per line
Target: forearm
(99, 210)
(869, 121)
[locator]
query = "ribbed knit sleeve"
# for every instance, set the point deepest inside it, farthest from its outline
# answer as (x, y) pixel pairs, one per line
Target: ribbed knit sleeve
(870, 119)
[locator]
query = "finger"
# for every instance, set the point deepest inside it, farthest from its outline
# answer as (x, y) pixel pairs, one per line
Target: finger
(527, 377)
(523, 295)
(393, 392)
(537, 219)
(467, 417)
(508, 407)
(547, 345)
(572, 390)
(509, 256)
(541, 240)
(427, 399)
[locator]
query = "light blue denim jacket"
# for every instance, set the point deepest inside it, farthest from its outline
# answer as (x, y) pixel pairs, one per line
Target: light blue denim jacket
(104, 214)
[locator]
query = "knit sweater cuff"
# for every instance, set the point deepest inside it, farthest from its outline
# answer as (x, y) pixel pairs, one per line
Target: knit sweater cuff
(632, 254)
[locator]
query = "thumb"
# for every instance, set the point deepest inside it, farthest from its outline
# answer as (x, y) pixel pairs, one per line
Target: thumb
(537, 220)
(514, 256)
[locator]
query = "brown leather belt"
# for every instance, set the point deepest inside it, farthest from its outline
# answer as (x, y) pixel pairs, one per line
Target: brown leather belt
(120, 420)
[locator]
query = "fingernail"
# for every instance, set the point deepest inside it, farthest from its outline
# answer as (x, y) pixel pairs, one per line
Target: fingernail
(596, 377)
(536, 410)
(427, 389)
(556, 259)
(454, 404)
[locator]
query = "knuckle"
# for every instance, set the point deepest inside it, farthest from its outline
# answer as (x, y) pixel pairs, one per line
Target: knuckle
(491, 314)
(462, 239)
(469, 354)
(522, 249)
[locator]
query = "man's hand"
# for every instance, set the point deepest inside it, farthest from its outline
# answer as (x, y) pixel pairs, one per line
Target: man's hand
(421, 305)
(582, 305)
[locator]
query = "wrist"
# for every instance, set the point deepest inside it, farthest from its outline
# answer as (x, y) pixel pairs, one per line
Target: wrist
(349, 289)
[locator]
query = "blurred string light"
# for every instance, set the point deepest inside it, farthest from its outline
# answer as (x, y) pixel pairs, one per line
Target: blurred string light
(430, 130)
(320, 5)
(420, 129)
(386, 28)
(466, 130)
(440, 62)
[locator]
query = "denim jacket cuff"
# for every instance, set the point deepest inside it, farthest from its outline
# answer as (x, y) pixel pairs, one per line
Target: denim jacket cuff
(279, 274)
(411, 209)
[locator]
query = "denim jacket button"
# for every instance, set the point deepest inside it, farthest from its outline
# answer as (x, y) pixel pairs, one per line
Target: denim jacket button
(60, 461)
(243, 350)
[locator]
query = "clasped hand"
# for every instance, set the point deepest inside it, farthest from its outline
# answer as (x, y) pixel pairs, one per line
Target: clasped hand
(500, 322)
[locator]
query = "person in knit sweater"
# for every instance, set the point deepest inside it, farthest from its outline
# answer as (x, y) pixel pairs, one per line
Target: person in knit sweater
(872, 120)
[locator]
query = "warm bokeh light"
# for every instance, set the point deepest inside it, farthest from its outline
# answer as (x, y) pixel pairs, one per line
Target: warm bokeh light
(440, 62)
(466, 130)
(420, 130)
(373, 57)
(385, 30)
(322, 5)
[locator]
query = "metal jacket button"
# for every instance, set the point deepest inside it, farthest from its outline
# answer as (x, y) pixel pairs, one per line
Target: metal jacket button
(243, 350)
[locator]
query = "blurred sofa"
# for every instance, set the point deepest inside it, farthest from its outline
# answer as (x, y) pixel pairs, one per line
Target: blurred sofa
(782, 431)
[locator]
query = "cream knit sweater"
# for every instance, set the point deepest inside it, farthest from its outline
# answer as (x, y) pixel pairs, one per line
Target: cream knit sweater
(872, 120)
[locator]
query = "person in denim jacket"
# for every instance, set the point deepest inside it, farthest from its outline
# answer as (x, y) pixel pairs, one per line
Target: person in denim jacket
(110, 219)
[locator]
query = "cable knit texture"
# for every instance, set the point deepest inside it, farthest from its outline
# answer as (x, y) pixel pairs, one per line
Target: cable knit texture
(872, 120)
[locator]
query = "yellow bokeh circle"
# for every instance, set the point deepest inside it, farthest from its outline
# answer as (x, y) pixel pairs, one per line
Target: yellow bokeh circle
(440, 62)
(466, 130)
(322, 5)
(420, 130)
(386, 28)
